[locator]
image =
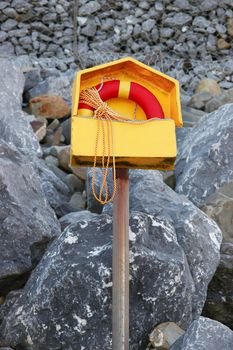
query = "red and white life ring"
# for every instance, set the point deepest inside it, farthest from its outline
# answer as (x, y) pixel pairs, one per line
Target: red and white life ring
(129, 90)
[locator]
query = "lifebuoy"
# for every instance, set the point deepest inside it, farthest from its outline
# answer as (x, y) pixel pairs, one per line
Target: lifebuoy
(129, 90)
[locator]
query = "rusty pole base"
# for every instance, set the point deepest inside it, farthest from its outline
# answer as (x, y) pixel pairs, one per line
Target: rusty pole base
(120, 266)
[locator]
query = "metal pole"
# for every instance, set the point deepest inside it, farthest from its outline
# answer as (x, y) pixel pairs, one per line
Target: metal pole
(120, 266)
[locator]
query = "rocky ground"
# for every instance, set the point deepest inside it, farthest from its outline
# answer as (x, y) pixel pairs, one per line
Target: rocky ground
(57, 239)
(55, 272)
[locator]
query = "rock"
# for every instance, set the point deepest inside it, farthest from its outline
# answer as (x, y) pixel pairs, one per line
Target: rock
(204, 163)
(74, 183)
(63, 155)
(191, 115)
(219, 302)
(39, 128)
(9, 24)
(219, 207)
(203, 334)
(178, 19)
(230, 26)
(218, 101)
(53, 138)
(51, 160)
(199, 100)
(74, 217)
(208, 85)
(89, 8)
(66, 130)
(54, 125)
(90, 28)
(148, 25)
(164, 335)
(32, 78)
(79, 264)
(28, 224)
(3, 36)
(56, 86)
(9, 300)
(223, 44)
(56, 191)
(47, 106)
(14, 125)
(81, 172)
(77, 201)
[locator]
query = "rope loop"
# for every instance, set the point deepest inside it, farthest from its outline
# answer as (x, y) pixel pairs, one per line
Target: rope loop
(105, 117)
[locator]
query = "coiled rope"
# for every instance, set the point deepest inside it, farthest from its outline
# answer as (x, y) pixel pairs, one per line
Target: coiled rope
(105, 116)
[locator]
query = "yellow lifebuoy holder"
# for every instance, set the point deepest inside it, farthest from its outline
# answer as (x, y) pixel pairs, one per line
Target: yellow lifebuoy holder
(149, 141)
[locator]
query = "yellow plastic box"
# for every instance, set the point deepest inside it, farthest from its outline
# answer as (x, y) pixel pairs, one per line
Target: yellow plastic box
(147, 145)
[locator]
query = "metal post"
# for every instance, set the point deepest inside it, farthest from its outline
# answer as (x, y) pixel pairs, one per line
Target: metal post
(120, 290)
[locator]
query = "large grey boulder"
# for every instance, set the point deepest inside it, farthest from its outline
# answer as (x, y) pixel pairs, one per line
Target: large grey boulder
(67, 301)
(204, 173)
(203, 334)
(149, 194)
(15, 128)
(205, 160)
(219, 302)
(27, 222)
(71, 288)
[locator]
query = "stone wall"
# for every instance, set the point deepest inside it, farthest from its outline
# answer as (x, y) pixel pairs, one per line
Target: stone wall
(186, 28)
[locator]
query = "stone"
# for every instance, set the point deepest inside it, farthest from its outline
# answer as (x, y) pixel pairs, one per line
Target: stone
(66, 130)
(3, 36)
(90, 28)
(63, 155)
(51, 160)
(3, 4)
(218, 101)
(222, 44)
(32, 78)
(200, 21)
(28, 223)
(79, 264)
(203, 334)
(74, 183)
(74, 217)
(191, 115)
(179, 19)
(89, 8)
(164, 335)
(48, 106)
(148, 25)
(219, 301)
(166, 32)
(77, 201)
(9, 300)
(219, 207)
(55, 189)
(182, 4)
(81, 172)
(9, 24)
(57, 86)
(6, 49)
(14, 125)
(208, 85)
(204, 161)
(39, 128)
(199, 100)
(230, 26)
